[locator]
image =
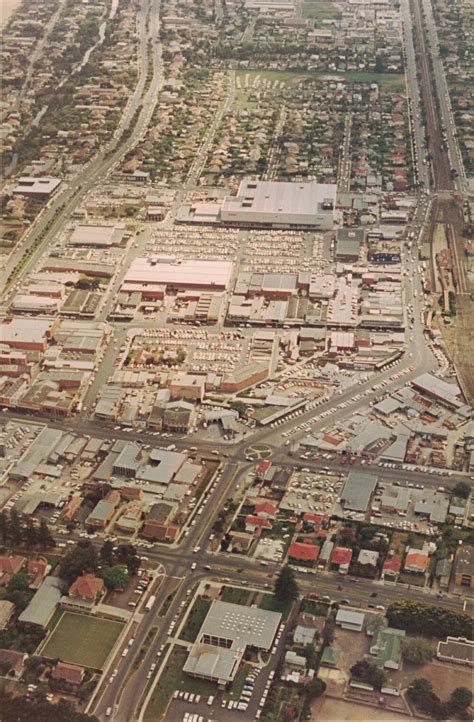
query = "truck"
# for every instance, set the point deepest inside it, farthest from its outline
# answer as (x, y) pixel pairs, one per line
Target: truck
(150, 603)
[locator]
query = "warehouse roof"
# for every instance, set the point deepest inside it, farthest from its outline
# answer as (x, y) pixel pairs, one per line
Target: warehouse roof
(188, 272)
(271, 197)
(358, 490)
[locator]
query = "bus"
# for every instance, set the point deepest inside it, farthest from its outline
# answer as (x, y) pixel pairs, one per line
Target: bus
(150, 603)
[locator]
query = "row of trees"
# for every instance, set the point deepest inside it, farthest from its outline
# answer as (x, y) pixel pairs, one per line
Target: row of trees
(20, 709)
(17, 530)
(423, 696)
(428, 619)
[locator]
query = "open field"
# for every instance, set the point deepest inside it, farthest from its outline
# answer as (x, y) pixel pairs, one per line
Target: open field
(337, 709)
(387, 81)
(82, 640)
(320, 11)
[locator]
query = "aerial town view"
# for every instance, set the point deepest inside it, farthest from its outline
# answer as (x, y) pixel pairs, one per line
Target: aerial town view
(236, 360)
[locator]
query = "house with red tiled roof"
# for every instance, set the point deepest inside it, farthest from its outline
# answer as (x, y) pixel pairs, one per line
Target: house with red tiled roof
(16, 660)
(70, 673)
(87, 587)
(266, 509)
(37, 570)
(340, 559)
(256, 523)
(391, 569)
(9, 566)
(416, 561)
(301, 552)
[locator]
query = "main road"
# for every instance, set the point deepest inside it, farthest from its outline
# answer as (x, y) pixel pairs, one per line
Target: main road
(130, 130)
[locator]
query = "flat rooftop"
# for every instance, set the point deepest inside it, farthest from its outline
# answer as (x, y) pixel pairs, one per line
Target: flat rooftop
(188, 273)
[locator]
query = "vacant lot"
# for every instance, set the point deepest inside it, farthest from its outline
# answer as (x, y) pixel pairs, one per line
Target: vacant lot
(82, 640)
(337, 709)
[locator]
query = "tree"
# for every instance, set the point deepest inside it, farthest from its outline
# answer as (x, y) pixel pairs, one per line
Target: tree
(417, 650)
(81, 559)
(462, 490)
(115, 577)
(45, 538)
(3, 527)
(107, 553)
(461, 698)
(126, 553)
(14, 530)
(19, 709)
(17, 590)
(429, 619)
(240, 407)
(286, 588)
(368, 672)
(316, 688)
(421, 693)
(31, 534)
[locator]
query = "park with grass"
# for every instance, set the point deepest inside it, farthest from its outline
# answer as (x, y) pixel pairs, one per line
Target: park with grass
(78, 639)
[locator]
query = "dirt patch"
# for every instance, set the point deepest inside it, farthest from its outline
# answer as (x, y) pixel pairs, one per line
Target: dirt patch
(444, 677)
(353, 646)
(325, 709)
(459, 339)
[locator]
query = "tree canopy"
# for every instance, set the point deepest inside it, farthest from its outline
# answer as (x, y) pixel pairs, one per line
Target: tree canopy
(82, 558)
(115, 577)
(422, 618)
(286, 588)
(417, 650)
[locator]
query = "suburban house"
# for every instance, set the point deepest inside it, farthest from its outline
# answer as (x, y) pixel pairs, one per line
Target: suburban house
(386, 647)
(9, 566)
(256, 523)
(301, 552)
(340, 560)
(71, 673)
(87, 587)
(16, 660)
(416, 561)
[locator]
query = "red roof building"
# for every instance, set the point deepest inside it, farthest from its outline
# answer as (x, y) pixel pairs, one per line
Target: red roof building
(266, 509)
(314, 518)
(341, 558)
(391, 567)
(71, 673)
(303, 552)
(257, 523)
(263, 467)
(87, 587)
(36, 571)
(10, 566)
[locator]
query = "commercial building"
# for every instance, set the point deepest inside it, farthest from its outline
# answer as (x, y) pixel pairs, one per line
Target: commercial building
(457, 650)
(226, 633)
(348, 244)
(358, 490)
(154, 276)
(447, 394)
(36, 187)
(281, 205)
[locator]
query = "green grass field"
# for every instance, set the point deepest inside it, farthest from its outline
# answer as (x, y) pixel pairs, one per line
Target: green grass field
(392, 82)
(320, 11)
(82, 640)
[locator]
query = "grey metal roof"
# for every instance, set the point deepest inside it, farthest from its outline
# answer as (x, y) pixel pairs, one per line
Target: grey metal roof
(43, 604)
(244, 626)
(358, 490)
